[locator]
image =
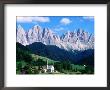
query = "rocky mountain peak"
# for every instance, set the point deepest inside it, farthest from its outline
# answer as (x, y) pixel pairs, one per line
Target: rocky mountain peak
(79, 31)
(36, 28)
(75, 40)
(21, 36)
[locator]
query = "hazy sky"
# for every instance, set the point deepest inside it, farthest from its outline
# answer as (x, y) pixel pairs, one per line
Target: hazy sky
(58, 24)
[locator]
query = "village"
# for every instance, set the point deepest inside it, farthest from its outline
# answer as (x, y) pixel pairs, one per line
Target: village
(51, 69)
(47, 69)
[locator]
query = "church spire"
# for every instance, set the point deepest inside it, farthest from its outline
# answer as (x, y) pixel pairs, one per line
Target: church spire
(47, 63)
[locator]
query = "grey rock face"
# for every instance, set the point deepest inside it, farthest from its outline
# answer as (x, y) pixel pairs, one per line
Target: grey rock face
(21, 36)
(79, 40)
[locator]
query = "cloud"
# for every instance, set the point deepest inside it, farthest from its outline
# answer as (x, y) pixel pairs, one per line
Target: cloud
(24, 19)
(32, 19)
(65, 21)
(41, 19)
(88, 17)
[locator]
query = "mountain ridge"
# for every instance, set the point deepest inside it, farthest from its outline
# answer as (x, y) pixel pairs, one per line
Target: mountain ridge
(79, 40)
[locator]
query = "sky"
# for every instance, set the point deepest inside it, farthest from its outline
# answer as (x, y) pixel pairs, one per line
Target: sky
(58, 24)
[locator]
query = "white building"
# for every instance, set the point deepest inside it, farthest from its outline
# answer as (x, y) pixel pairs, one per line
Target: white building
(48, 68)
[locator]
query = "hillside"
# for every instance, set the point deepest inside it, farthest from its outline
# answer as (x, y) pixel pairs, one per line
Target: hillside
(29, 63)
(58, 54)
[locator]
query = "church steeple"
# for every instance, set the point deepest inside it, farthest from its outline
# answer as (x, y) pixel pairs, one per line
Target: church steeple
(47, 64)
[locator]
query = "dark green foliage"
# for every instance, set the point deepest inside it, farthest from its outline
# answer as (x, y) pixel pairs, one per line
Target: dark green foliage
(89, 70)
(38, 48)
(23, 59)
(20, 46)
(58, 66)
(63, 65)
(50, 51)
(40, 62)
(23, 53)
(21, 67)
(58, 54)
(66, 65)
(87, 61)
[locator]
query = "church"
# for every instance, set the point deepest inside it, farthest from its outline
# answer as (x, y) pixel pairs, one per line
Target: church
(48, 68)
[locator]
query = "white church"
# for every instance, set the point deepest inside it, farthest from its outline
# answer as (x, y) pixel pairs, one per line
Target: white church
(48, 68)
